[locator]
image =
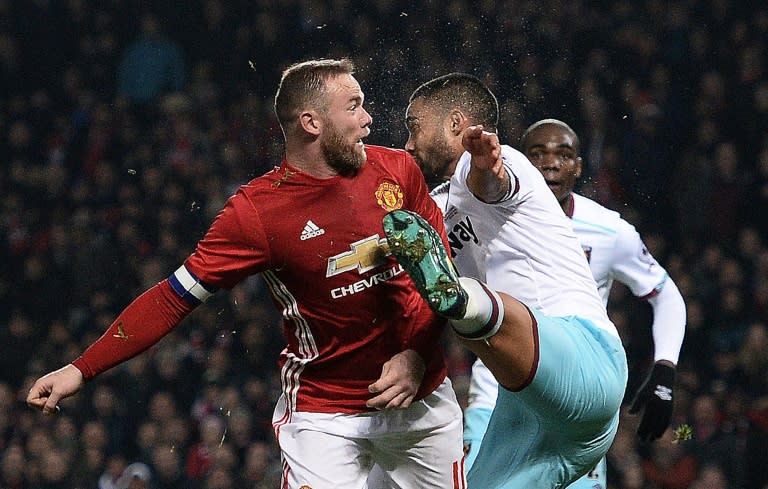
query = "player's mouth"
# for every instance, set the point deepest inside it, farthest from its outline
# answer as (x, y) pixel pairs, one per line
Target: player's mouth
(554, 185)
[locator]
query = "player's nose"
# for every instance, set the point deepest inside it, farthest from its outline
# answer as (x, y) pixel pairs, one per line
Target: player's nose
(367, 118)
(551, 162)
(410, 147)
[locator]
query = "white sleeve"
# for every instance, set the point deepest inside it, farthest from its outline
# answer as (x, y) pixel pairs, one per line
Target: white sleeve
(633, 265)
(440, 195)
(669, 318)
(483, 387)
(513, 162)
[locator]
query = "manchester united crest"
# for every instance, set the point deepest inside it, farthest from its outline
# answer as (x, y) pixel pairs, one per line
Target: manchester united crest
(389, 196)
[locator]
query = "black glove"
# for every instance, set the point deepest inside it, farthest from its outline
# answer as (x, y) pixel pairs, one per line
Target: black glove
(656, 400)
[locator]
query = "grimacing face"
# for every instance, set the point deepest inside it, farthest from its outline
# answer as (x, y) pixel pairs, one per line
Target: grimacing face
(427, 142)
(550, 148)
(346, 123)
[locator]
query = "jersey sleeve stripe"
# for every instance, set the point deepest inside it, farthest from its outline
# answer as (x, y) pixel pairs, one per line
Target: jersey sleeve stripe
(189, 287)
(514, 185)
(513, 189)
(656, 290)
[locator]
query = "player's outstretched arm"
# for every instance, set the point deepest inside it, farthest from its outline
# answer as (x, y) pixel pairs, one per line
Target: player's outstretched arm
(51, 388)
(487, 179)
(655, 398)
(142, 324)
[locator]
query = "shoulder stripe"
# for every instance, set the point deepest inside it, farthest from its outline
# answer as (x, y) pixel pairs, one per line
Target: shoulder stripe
(189, 287)
(595, 225)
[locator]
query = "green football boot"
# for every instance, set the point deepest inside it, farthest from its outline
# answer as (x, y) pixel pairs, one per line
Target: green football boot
(419, 249)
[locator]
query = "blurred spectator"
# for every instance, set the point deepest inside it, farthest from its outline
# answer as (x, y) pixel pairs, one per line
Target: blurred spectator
(624, 462)
(756, 446)
(13, 468)
(202, 454)
(18, 337)
(135, 476)
(55, 467)
(219, 478)
(110, 417)
(259, 466)
(168, 468)
(727, 199)
(753, 361)
(670, 466)
(151, 65)
(646, 166)
(758, 190)
(711, 477)
(114, 468)
(714, 441)
(633, 477)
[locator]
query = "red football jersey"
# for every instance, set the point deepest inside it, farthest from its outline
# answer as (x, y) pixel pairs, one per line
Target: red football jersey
(347, 306)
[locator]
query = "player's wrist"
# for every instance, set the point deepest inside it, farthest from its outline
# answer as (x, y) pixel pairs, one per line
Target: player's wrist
(82, 366)
(662, 380)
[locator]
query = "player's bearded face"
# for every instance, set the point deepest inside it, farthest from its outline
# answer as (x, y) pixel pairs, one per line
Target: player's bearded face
(434, 157)
(343, 155)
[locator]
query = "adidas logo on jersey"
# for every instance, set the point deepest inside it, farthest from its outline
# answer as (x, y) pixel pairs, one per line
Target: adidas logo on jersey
(311, 231)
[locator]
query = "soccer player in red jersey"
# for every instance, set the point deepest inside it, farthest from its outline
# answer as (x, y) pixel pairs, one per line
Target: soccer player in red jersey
(363, 378)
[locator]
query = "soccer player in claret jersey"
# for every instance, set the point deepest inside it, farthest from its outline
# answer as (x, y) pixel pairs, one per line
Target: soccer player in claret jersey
(360, 340)
(539, 325)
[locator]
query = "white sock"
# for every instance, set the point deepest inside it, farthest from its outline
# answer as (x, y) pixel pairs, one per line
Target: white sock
(484, 314)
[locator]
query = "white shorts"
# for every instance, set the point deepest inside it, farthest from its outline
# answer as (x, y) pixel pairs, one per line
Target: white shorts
(415, 448)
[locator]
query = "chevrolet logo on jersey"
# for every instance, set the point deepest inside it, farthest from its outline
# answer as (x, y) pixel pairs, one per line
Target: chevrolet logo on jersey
(365, 255)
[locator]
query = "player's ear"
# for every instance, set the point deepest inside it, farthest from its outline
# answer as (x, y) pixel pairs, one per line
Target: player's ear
(457, 122)
(577, 167)
(310, 122)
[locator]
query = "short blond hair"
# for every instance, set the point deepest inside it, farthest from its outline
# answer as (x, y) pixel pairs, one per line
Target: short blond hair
(303, 85)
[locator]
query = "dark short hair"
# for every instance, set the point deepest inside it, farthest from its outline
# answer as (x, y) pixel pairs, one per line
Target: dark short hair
(302, 85)
(463, 91)
(550, 122)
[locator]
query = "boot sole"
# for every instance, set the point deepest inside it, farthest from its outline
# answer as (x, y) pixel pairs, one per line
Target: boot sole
(419, 249)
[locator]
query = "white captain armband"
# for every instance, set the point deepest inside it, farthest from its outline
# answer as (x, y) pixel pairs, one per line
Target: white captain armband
(189, 287)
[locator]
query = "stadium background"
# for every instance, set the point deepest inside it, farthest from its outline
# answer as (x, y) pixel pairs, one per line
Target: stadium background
(111, 170)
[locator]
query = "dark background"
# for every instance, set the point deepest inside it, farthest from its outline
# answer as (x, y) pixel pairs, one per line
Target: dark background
(117, 152)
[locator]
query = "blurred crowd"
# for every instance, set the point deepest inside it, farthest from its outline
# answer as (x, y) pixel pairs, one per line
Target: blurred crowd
(124, 130)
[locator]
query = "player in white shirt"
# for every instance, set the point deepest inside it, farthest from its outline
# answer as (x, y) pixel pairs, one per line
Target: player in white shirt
(615, 251)
(545, 336)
